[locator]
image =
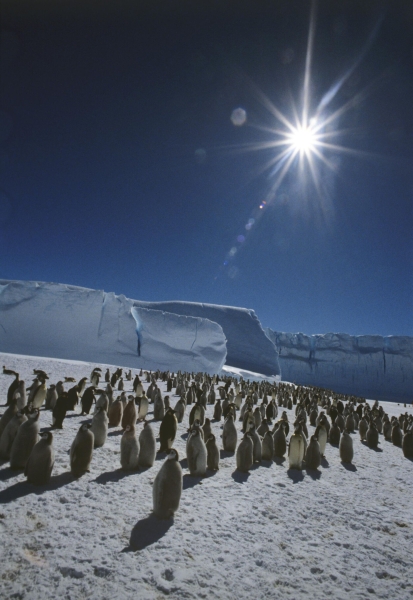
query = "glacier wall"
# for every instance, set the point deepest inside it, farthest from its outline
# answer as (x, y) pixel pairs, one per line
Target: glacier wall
(64, 321)
(248, 346)
(367, 365)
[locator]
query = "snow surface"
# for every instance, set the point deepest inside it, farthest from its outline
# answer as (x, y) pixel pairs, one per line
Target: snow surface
(84, 324)
(344, 532)
(367, 365)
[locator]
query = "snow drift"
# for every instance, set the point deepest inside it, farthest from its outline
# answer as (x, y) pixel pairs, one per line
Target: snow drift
(367, 365)
(71, 322)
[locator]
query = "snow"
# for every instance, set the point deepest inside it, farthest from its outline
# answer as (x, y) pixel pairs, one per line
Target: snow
(78, 323)
(340, 533)
(367, 365)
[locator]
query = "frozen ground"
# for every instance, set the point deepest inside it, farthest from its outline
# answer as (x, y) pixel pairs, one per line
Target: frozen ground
(338, 534)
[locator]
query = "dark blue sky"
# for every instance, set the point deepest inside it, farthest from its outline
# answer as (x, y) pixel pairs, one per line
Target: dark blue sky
(119, 168)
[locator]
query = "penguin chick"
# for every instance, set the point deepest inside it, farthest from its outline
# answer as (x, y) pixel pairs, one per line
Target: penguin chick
(41, 460)
(212, 453)
(129, 449)
(99, 427)
(147, 446)
(196, 453)
(245, 454)
(167, 487)
(81, 451)
(26, 438)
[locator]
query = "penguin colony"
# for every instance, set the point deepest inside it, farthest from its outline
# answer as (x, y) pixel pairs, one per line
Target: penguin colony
(248, 422)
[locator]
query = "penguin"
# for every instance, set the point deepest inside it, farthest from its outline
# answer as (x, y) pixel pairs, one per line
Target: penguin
(13, 386)
(197, 414)
(167, 402)
(257, 445)
(245, 454)
(267, 446)
(257, 417)
(212, 453)
(38, 392)
(335, 434)
(107, 376)
(206, 428)
(158, 408)
(167, 430)
(81, 386)
(349, 423)
(297, 449)
(340, 421)
(143, 404)
(87, 400)
(20, 395)
(372, 435)
(73, 398)
(120, 384)
(8, 414)
(346, 447)
(313, 454)
(322, 436)
(263, 428)
(129, 413)
(407, 444)
(229, 435)
(363, 427)
(51, 397)
(81, 451)
(9, 433)
(180, 410)
(280, 441)
(196, 453)
(102, 401)
(26, 438)
(99, 427)
(147, 446)
(387, 427)
(167, 487)
(115, 413)
(129, 449)
(41, 460)
(396, 434)
(59, 411)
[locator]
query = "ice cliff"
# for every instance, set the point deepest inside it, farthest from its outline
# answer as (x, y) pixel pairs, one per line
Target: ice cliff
(64, 321)
(248, 347)
(367, 365)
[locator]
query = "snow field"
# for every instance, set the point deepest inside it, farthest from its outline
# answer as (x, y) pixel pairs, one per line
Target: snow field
(343, 532)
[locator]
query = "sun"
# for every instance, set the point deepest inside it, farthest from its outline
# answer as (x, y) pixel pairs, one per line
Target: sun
(303, 140)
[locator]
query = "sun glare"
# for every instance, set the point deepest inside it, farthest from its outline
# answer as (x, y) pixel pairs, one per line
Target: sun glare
(303, 140)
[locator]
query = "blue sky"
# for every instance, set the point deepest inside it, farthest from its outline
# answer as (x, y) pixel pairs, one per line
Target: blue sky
(122, 170)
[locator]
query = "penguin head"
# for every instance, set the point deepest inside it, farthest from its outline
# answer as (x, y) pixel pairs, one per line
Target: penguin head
(173, 455)
(47, 437)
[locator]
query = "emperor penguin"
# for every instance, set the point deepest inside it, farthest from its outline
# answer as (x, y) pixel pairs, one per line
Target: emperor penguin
(322, 437)
(38, 393)
(245, 454)
(51, 397)
(102, 401)
(363, 427)
(8, 414)
(257, 445)
(180, 410)
(407, 444)
(20, 395)
(297, 449)
(197, 414)
(335, 434)
(26, 438)
(13, 386)
(143, 404)
(396, 434)
(229, 434)
(115, 413)
(167, 487)
(196, 453)
(372, 435)
(346, 447)
(129, 449)
(81, 451)
(158, 408)
(9, 433)
(99, 427)
(267, 446)
(147, 446)
(129, 413)
(313, 454)
(280, 441)
(206, 428)
(41, 460)
(212, 453)
(167, 430)
(59, 411)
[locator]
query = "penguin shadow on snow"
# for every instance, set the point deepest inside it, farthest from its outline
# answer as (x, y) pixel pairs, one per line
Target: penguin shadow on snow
(240, 476)
(184, 463)
(190, 481)
(147, 532)
(225, 454)
(295, 475)
(315, 474)
(375, 449)
(115, 475)
(116, 432)
(279, 460)
(184, 436)
(349, 466)
(8, 473)
(324, 463)
(23, 488)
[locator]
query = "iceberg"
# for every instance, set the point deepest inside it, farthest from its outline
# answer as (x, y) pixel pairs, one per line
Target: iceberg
(70, 322)
(367, 365)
